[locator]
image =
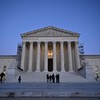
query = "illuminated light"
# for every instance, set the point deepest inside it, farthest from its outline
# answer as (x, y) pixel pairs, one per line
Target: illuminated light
(50, 53)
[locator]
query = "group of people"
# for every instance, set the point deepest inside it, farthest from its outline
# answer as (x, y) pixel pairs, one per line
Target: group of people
(50, 78)
(53, 78)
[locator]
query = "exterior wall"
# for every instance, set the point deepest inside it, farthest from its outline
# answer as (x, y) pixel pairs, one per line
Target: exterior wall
(94, 62)
(8, 61)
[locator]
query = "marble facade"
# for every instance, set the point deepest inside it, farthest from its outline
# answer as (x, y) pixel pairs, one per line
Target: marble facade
(50, 49)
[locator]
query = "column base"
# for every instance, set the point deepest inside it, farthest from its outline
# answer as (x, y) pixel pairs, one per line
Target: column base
(70, 71)
(63, 71)
(54, 71)
(45, 71)
(37, 71)
(29, 71)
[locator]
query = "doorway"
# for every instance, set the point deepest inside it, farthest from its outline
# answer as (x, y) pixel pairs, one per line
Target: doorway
(50, 64)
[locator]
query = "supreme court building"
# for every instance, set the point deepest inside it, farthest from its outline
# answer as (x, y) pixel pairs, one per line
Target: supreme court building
(50, 50)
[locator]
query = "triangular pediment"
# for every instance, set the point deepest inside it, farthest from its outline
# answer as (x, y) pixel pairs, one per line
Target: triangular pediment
(49, 31)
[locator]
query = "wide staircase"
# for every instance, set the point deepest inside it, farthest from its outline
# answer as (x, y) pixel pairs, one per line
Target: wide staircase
(41, 77)
(62, 89)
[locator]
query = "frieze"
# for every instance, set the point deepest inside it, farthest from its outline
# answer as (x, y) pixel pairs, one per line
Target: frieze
(53, 39)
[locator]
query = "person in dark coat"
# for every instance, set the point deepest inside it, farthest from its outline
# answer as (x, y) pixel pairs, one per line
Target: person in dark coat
(2, 75)
(57, 78)
(97, 76)
(19, 79)
(50, 78)
(53, 78)
(47, 78)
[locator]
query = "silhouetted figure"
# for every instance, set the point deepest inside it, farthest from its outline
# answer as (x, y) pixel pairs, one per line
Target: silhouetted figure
(50, 78)
(47, 77)
(53, 78)
(58, 77)
(19, 79)
(97, 77)
(2, 75)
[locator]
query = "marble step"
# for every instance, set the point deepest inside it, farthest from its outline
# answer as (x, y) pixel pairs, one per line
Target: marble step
(41, 77)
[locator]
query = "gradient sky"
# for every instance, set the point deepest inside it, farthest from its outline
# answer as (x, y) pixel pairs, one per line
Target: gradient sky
(19, 16)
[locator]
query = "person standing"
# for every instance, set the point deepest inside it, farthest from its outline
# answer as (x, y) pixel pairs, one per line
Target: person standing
(2, 75)
(57, 78)
(53, 78)
(19, 79)
(47, 78)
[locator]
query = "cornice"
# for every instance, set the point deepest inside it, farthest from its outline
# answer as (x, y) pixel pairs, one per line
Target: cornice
(90, 56)
(8, 56)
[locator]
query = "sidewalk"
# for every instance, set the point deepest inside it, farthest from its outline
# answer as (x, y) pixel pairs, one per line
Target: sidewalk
(50, 89)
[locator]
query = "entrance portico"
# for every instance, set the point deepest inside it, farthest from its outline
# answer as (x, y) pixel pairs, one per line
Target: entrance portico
(50, 49)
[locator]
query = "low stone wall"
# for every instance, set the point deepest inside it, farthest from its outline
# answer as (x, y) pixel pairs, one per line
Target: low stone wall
(7, 61)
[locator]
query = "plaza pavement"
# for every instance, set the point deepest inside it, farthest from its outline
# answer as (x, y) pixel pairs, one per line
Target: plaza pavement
(76, 89)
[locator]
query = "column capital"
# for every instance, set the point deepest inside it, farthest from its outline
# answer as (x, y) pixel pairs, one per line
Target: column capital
(54, 42)
(23, 42)
(69, 42)
(61, 41)
(31, 42)
(46, 42)
(76, 42)
(38, 41)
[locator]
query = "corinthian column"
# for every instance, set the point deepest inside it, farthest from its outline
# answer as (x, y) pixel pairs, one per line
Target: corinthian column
(23, 56)
(46, 56)
(30, 57)
(77, 55)
(54, 56)
(62, 56)
(38, 57)
(70, 56)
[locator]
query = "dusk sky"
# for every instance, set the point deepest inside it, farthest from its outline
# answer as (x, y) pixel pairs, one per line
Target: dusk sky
(19, 16)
